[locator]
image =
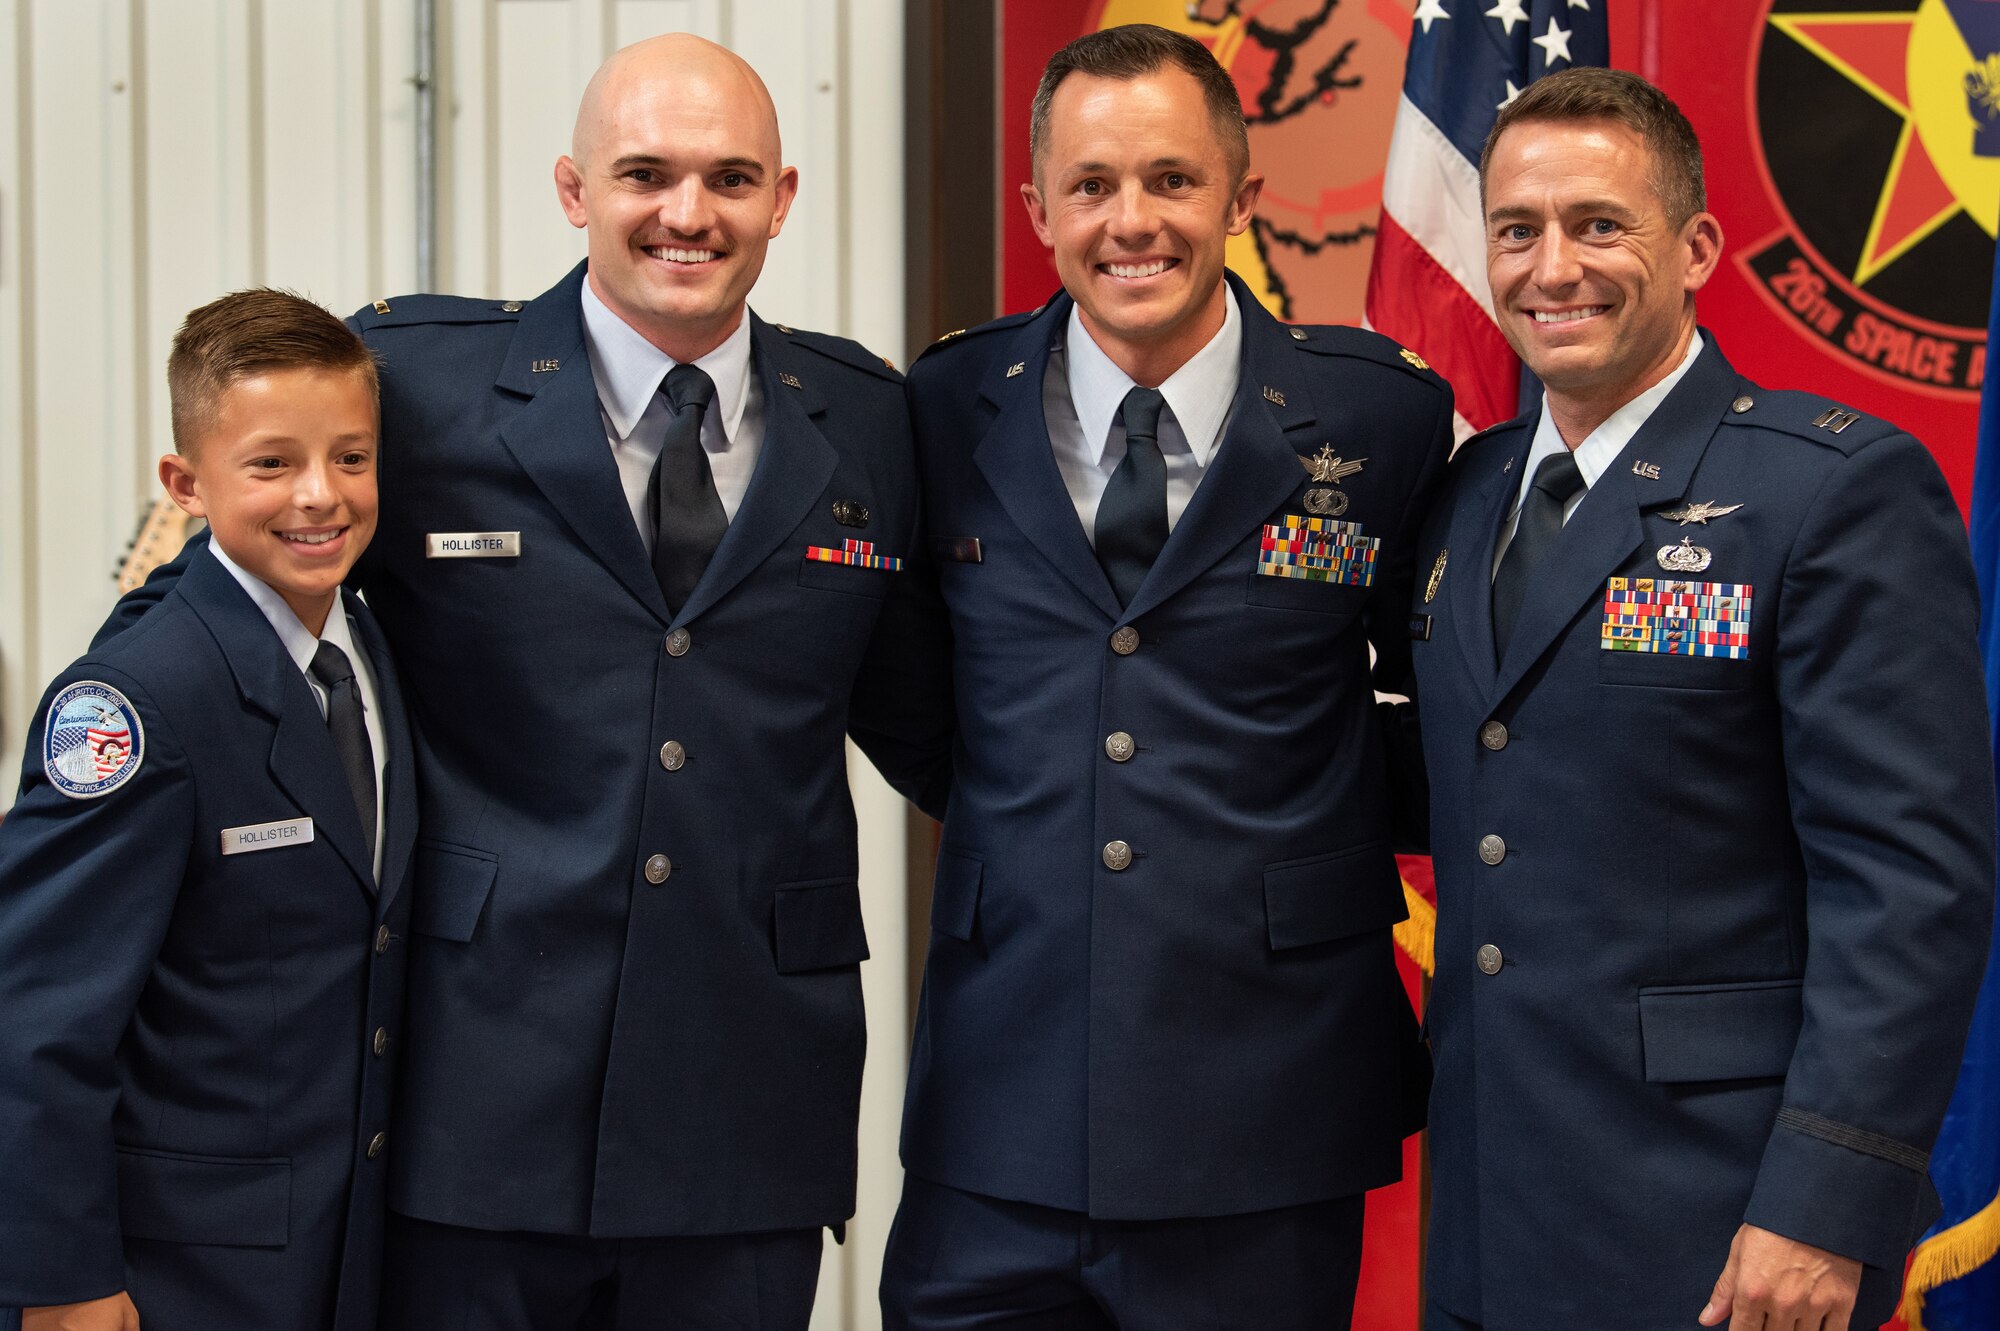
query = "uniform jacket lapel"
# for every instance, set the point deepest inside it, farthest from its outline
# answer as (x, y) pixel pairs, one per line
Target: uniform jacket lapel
(399, 798)
(558, 436)
(1605, 529)
(1018, 462)
(1475, 529)
(794, 467)
(1254, 469)
(303, 763)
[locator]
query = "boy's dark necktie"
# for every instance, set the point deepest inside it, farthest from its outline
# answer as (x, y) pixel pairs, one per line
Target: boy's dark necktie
(688, 518)
(349, 729)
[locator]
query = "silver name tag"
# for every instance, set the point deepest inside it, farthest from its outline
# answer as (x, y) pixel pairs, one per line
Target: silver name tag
(472, 545)
(266, 836)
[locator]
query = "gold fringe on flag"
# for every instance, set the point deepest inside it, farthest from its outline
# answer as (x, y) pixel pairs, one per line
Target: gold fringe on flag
(1417, 936)
(1958, 1251)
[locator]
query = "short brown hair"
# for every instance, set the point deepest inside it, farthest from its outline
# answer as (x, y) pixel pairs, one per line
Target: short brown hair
(248, 333)
(1134, 51)
(1587, 92)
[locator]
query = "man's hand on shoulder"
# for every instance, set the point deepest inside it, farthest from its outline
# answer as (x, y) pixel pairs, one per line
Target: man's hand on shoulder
(1774, 1282)
(113, 1314)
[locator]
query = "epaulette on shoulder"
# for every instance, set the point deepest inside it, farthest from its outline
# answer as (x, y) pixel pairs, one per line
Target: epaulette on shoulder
(845, 350)
(1340, 340)
(397, 311)
(960, 336)
(1808, 416)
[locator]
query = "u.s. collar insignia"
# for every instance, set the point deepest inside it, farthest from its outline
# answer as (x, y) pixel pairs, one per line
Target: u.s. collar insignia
(1649, 470)
(93, 742)
(1273, 396)
(1016, 368)
(789, 380)
(1686, 557)
(1701, 512)
(850, 513)
(544, 366)
(1437, 576)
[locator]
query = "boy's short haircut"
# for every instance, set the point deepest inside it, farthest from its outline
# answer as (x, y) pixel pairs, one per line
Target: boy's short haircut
(248, 333)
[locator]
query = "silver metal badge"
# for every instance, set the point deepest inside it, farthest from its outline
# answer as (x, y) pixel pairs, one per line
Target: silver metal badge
(1686, 557)
(1326, 503)
(1326, 467)
(266, 836)
(472, 544)
(1701, 512)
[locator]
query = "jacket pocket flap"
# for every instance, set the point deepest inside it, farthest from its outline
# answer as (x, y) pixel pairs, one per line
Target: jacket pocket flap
(451, 890)
(1720, 1032)
(955, 894)
(202, 1199)
(1324, 897)
(818, 925)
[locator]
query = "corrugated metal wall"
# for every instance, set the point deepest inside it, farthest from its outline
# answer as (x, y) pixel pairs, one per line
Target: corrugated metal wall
(156, 153)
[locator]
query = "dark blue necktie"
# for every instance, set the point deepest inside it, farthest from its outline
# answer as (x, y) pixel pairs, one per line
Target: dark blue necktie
(1132, 516)
(349, 729)
(1534, 537)
(688, 518)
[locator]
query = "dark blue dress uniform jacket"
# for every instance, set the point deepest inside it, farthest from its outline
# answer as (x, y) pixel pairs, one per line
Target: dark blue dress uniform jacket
(1219, 1027)
(190, 1084)
(635, 995)
(1740, 906)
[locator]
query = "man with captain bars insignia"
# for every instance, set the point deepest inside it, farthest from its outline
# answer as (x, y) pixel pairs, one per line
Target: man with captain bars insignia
(1712, 808)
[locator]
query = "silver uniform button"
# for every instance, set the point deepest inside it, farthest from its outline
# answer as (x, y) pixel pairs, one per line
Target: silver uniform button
(678, 642)
(657, 869)
(382, 936)
(1298, 334)
(381, 1041)
(1125, 641)
(1118, 746)
(1489, 959)
(1492, 849)
(1117, 855)
(1493, 735)
(512, 307)
(1741, 405)
(672, 756)
(376, 1143)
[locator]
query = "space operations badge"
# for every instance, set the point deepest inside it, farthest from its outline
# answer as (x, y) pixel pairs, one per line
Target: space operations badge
(93, 742)
(1318, 550)
(1676, 618)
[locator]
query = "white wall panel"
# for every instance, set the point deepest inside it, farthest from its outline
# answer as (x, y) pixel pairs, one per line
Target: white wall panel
(157, 153)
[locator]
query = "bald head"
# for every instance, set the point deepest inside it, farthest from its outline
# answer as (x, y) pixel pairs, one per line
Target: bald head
(675, 69)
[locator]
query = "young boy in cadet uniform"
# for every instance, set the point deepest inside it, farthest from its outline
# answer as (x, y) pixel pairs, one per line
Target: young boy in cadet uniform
(201, 887)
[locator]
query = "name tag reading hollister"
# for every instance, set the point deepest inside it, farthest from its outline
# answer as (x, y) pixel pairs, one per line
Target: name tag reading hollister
(266, 836)
(472, 545)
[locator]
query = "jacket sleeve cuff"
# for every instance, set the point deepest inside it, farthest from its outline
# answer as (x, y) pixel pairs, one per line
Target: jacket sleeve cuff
(1843, 1189)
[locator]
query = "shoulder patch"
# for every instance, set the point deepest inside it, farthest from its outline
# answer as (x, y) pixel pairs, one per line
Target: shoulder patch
(960, 336)
(845, 350)
(397, 311)
(1360, 343)
(93, 742)
(1808, 416)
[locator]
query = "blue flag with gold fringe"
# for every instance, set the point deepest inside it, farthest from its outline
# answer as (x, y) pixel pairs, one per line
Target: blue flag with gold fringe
(1954, 1282)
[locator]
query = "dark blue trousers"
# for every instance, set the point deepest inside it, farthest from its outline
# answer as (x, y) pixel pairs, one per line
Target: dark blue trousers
(958, 1261)
(444, 1278)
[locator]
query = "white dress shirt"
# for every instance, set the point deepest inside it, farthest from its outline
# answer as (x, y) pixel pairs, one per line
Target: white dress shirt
(1597, 451)
(301, 646)
(1082, 391)
(629, 370)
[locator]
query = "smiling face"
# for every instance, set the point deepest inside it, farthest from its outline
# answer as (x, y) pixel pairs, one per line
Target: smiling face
(1135, 195)
(674, 172)
(1592, 284)
(285, 475)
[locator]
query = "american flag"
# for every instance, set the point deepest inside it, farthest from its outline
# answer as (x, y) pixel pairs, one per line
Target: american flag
(1427, 287)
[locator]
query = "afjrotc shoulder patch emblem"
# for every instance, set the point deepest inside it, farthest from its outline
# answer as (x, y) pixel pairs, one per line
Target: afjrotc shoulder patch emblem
(93, 742)
(1879, 141)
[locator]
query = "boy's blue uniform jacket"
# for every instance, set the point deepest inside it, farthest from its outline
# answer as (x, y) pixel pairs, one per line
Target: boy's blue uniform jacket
(635, 988)
(198, 1049)
(1715, 859)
